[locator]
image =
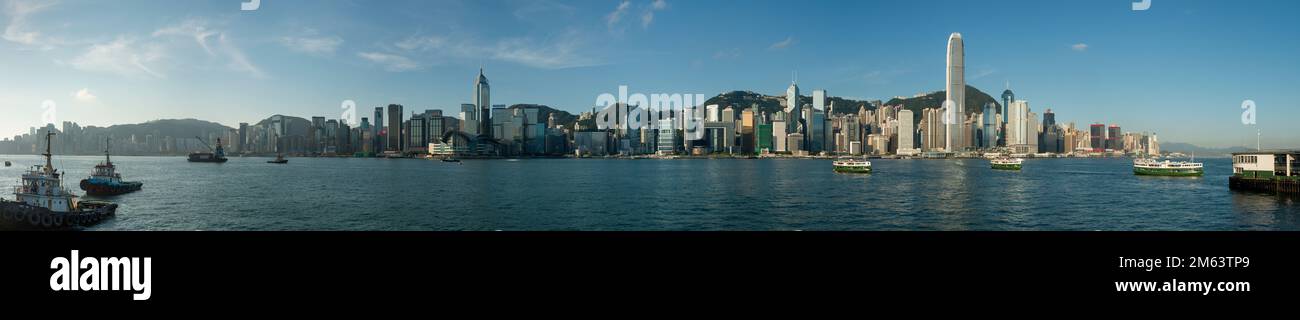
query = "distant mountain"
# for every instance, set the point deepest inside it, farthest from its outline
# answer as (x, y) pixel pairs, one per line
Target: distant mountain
(975, 100)
(294, 126)
(563, 118)
(739, 100)
(1200, 151)
(180, 128)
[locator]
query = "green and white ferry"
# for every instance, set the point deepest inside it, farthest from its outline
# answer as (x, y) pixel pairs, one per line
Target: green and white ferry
(1005, 163)
(1273, 171)
(1167, 168)
(852, 166)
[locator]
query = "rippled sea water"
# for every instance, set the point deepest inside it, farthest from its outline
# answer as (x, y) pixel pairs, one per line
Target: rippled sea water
(606, 194)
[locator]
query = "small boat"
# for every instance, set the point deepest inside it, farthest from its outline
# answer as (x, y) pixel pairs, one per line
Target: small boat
(1005, 163)
(1167, 168)
(7, 163)
(852, 166)
(451, 160)
(105, 181)
(41, 202)
(279, 159)
(218, 155)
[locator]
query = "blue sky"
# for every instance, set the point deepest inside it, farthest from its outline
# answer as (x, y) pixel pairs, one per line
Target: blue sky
(1180, 69)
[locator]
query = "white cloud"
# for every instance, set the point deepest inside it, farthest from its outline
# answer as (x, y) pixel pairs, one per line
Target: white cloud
(391, 62)
(648, 17)
(727, 54)
(193, 28)
(554, 52)
(613, 18)
(200, 31)
(312, 45)
(238, 60)
(422, 43)
(1079, 47)
(18, 30)
(84, 95)
(122, 56)
(789, 41)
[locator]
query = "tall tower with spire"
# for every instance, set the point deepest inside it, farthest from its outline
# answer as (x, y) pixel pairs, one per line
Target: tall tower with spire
(792, 107)
(483, 101)
(956, 91)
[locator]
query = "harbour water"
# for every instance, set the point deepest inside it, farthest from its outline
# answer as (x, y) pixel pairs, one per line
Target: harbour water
(607, 194)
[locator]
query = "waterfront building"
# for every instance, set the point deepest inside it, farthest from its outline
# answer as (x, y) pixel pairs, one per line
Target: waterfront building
(956, 91)
(1097, 138)
(1007, 98)
(666, 142)
(780, 128)
(1113, 138)
(792, 108)
(483, 102)
(933, 136)
(395, 136)
(1032, 132)
(988, 128)
(469, 119)
(378, 133)
(1018, 127)
(906, 134)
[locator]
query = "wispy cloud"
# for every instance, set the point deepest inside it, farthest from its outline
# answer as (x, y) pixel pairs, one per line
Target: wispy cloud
(981, 73)
(201, 31)
(648, 17)
(19, 31)
(122, 56)
(554, 52)
(613, 18)
(391, 62)
(196, 29)
(726, 54)
(84, 95)
(1079, 47)
(312, 45)
(779, 45)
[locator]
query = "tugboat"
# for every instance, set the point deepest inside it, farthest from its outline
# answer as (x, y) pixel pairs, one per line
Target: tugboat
(217, 155)
(105, 181)
(852, 166)
(42, 202)
(1006, 163)
(1151, 167)
(279, 159)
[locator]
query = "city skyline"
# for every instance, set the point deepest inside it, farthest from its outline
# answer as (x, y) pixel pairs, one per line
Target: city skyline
(209, 61)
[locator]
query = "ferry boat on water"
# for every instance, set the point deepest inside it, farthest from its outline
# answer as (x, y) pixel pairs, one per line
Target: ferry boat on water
(852, 166)
(41, 202)
(279, 159)
(105, 181)
(1152, 167)
(218, 155)
(1274, 171)
(1005, 163)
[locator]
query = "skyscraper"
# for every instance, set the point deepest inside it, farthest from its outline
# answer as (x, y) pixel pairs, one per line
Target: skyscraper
(1018, 126)
(395, 136)
(482, 100)
(906, 130)
(1097, 137)
(956, 91)
(990, 134)
(1007, 98)
(377, 132)
(792, 108)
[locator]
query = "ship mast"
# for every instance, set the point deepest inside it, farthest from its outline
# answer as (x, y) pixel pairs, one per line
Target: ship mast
(49, 164)
(107, 145)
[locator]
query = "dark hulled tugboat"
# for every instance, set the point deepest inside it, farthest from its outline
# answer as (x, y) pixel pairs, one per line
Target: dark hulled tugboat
(105, 181)
(42, 202)
(217, 155)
